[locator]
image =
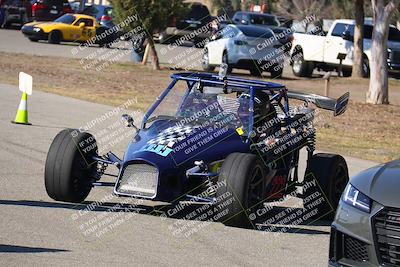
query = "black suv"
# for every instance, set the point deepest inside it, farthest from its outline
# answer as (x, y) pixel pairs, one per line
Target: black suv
(197, 19)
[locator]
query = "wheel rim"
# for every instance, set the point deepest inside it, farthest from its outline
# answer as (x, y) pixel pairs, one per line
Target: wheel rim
(204, 61)
(256, 187)
(365, 68)
(340, 183)
(297, 65)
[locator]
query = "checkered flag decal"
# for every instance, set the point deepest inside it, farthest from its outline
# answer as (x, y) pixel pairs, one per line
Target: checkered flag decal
(172, 135)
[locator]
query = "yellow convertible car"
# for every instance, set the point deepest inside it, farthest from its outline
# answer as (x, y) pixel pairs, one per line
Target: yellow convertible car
(70, 28)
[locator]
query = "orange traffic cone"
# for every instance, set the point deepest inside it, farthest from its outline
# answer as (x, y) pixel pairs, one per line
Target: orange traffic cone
(22, 112)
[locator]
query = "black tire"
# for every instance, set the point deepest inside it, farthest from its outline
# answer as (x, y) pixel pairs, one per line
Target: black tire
(331, 175)
(55, 37)
(69, 168)
(347, 72)
(237, 172)
(254, 71)
(166, 39)
(205, 63)
(301, 67)
(225, 60)
(366, 70)
(276, 74)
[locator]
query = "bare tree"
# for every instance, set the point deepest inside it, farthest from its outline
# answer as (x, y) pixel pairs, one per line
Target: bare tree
(378, 92)
(358, 39)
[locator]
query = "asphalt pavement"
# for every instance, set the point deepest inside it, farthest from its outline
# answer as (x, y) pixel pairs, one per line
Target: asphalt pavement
(176, 56)
(36, 230)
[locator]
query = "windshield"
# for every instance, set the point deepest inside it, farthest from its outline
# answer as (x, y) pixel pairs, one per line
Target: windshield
(67, 19)
(264, 20)
(210, 107)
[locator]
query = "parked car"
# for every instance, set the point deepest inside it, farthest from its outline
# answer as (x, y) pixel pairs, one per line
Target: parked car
(311, 52)
(14, 11)
(100, 12)
(198, 17)
(366, 229)
(267, 20)
(198, 142)
(49, 10)
(245, 47)
(70, 28)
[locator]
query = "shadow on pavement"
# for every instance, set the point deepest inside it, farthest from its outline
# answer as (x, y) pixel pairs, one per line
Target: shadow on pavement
(178, 213)
(22, 249)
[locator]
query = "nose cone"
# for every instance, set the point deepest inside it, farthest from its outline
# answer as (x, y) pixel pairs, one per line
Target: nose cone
(168, 145)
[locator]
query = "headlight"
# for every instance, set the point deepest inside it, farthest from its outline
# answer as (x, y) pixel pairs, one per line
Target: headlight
(355, 198)
(36, 29)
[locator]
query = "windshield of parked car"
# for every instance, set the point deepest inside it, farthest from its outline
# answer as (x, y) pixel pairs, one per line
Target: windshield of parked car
(67, 19)
(264, 20)
(207, 106)
(257, 32)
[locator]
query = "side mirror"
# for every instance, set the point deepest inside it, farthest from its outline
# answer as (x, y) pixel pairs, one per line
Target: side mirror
(82, 25)
(128, 120)
(347, 36)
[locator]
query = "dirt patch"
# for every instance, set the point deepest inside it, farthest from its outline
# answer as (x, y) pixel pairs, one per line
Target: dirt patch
(364, 131)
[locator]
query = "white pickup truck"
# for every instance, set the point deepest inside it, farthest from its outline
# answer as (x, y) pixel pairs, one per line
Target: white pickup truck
(311, 52)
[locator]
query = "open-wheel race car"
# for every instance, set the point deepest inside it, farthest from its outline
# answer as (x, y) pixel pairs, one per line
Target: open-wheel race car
(224, 141)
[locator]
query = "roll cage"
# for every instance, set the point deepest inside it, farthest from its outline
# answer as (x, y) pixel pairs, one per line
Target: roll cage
(278, 94)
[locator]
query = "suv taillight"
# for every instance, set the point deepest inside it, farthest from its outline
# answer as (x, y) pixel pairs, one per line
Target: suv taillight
(105, 18)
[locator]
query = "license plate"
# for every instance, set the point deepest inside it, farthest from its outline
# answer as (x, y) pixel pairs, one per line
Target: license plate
(53, 12)
(14, 16)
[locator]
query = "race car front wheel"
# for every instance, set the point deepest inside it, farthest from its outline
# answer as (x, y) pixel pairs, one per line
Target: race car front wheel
(55, 37)
(325, 179)
(70, 167)
(241, 188)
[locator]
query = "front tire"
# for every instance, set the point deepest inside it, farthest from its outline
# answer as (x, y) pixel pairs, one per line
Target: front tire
(70, 167)
(326, 176)
(55, 37)
(243, 177)
(276, 74)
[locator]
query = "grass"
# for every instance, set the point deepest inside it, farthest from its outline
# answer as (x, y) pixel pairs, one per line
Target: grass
(364, 131)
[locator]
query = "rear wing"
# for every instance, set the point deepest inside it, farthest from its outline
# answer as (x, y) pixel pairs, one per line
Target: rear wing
(338, 106)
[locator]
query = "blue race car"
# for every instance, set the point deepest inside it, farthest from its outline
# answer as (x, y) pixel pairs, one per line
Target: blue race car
(230, 143)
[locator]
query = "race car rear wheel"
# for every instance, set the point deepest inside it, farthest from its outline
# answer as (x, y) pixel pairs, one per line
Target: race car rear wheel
(244, 188)
(55, 37)
(69, 168)
(325, 179)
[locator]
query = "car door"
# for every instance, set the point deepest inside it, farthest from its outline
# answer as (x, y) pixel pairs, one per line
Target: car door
(84, 33)
(89, 30)
(217, 47)
(72, 32)
(335, 44)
